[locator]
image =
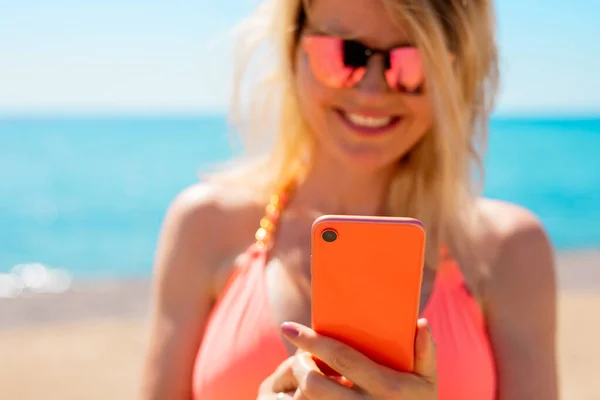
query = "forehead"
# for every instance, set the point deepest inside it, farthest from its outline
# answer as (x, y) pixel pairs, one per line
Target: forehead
(370, 21)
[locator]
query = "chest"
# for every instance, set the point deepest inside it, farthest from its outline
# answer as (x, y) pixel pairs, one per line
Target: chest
(251, 351)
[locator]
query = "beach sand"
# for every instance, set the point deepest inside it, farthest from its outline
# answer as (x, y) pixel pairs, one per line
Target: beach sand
(88, 343)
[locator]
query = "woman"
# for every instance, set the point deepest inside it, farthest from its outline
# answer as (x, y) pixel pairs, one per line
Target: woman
(377, 106)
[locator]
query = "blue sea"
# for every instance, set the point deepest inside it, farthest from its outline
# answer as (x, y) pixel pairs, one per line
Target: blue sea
(88, 194)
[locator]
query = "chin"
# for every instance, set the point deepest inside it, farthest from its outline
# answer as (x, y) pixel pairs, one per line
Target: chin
(365, 159)
(367, 154)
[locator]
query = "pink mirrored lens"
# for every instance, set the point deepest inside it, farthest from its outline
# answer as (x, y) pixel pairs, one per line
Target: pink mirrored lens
(355, 76)
(326, 59)
(406, 69)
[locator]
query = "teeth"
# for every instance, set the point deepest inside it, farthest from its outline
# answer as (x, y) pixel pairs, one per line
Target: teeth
(369, 122)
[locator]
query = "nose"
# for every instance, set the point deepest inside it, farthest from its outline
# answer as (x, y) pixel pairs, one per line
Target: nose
(373, 82)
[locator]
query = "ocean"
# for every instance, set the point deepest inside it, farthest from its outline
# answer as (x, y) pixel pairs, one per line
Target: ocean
(88, 195)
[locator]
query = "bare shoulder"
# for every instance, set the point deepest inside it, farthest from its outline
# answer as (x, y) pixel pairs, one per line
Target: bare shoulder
(510, 230)
(506, 218)
(519, 253)
(205, 226)
(520, 300)
(222, 214)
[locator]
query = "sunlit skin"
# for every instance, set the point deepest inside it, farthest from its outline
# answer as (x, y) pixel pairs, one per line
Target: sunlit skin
(324, 108)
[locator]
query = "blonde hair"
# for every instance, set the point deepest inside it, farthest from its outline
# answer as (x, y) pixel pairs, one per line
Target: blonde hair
(435, 180)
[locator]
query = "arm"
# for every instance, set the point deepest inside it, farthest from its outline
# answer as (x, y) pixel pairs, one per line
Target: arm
(521, 310)
(181, 301)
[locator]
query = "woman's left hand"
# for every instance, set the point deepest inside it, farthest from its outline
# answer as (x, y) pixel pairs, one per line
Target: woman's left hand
(370, 380)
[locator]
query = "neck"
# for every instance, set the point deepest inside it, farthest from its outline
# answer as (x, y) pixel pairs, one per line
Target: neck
(332, 188)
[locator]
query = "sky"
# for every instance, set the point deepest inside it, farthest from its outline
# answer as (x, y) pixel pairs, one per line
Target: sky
(140, 56)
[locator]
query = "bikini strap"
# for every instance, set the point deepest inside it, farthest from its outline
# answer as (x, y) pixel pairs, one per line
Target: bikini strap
(269, 222)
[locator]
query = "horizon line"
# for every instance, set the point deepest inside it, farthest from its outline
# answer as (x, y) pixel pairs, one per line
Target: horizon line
(549, 114)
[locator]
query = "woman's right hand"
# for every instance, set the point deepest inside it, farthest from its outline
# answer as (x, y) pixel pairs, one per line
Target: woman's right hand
(281, 384)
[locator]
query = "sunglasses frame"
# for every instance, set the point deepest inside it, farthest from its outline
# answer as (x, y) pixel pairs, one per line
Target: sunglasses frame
(352, 75)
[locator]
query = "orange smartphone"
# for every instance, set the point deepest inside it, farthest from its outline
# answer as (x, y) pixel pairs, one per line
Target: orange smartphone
(366, 285)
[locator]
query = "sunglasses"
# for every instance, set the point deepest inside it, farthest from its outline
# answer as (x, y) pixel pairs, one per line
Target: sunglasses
(340, 63)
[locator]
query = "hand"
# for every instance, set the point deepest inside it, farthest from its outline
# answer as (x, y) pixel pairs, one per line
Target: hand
(281, 384)
(370, 380)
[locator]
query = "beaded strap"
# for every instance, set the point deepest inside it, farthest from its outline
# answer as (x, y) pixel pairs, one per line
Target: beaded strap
(268, 223)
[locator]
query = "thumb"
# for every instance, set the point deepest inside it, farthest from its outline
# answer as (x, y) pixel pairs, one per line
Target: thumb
(283, 379)
(425, 352)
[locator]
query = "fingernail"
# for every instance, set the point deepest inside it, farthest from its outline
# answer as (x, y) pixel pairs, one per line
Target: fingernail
(290, 330)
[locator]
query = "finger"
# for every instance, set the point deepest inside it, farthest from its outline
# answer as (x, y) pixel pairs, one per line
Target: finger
(277, 396)
(284, 396)
(348, 362)
(314, 385)
(284, 379)
(298, 395)
(342, 380)
(425, 352)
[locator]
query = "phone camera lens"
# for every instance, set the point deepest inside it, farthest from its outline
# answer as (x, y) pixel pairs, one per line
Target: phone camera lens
(329, 235)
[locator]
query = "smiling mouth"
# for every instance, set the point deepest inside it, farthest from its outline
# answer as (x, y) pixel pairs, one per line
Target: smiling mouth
(368, 124)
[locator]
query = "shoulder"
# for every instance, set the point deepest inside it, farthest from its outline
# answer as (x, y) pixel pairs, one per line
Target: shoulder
(213, 209)
(510, 231)
(506, 217)
(206, 225)
(518, 253)
(520, 299)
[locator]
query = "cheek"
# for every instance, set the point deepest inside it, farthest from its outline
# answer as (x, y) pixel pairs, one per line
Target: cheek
(314, 99)
(421, 111)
